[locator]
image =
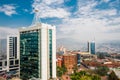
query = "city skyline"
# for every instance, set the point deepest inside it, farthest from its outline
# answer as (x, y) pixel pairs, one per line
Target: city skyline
(77, 21)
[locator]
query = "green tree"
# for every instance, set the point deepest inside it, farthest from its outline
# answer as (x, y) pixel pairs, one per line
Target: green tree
(112, 76)
(83, 75)
(96, 77)
(85, 78)
(77, 75)
(64, 69)
(102, 70)
(75, 68)
(61, 70)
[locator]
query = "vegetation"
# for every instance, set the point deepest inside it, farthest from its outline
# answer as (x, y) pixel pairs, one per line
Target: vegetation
(102, 70)
(75, 68)
(112, 76)
(61, 70)
(83, 75)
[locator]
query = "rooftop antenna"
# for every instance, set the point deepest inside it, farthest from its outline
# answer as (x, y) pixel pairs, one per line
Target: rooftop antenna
(36, 18)
(94, 37)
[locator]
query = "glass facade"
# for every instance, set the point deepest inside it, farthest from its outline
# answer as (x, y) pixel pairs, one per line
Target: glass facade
(50, 51)
(78, 59)
(30, 54)
(92, 46)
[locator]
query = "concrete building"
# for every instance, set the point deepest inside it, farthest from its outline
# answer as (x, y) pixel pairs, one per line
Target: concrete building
(9, 66)
(88, 46)
(12, 55)
(78, 59)
(3, 66)
(70, 62)
(84, 53)
(59, 61)
(38, 52)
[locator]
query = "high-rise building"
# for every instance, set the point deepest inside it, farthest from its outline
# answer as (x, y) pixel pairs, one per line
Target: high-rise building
(92, 47)
(88, 46)
(12, 54)
(12, 46)
(38, 52)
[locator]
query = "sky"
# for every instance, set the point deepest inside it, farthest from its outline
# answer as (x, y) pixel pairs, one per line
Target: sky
(76, 21)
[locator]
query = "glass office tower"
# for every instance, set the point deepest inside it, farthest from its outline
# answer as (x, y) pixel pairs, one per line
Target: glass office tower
(38, 52)
(92, 47)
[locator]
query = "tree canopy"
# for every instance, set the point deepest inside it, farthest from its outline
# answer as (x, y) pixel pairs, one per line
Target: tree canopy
(83, 75)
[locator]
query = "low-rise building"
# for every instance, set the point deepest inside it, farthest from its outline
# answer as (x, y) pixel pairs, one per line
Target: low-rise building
(70, 62)
(59, 61)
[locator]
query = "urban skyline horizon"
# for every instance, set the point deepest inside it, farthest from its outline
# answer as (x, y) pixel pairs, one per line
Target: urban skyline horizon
(78, 22)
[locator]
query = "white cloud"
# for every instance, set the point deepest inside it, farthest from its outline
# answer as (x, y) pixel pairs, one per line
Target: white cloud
(91, 23)
(84, 29)
(47, 9)
(49, 2)
(88, 10)
(85, 8)
(87, 23)
(8, 9)
(4, 31)
(108, 12)
(106, 1)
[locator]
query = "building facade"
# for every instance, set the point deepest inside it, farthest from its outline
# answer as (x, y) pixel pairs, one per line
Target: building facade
(59, 61)
(38, 52)
(92, 47)
(3, 66)
(12, 55)
(70, 62)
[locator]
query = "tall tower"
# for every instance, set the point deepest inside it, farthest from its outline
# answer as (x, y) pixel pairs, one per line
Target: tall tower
(92, 47)
(12, 54)
(38, 50)
(12, 46)
(88, 46)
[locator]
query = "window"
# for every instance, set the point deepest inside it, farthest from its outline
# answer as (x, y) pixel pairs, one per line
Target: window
(0, 63)
(5, 63)
(16, 62)
(11, 63)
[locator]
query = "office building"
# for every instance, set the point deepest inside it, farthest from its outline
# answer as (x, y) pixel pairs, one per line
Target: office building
(12, 55)
(59, 62)
(3, 66)
(70, 61)
(78, 59)
(92, 47)
(38, 52)
(88, 46)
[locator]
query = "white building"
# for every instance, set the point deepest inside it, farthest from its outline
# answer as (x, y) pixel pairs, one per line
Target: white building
(12, 55)
(38, 52)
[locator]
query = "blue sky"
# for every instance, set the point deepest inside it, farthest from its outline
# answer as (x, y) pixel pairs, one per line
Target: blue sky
(76, 20)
